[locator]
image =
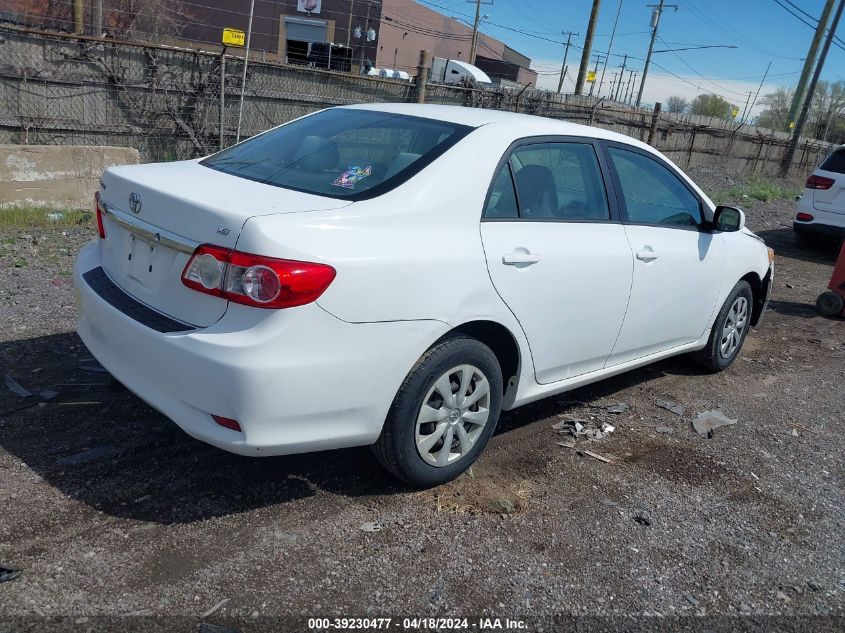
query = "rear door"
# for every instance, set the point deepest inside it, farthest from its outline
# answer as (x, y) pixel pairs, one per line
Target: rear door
(557, 254)
(677, 261)
(832, 199)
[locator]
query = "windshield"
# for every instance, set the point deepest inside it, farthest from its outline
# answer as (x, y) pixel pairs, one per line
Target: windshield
(341, 153)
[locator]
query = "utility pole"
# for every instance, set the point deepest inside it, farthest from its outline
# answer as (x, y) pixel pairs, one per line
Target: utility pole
(596, 71)
(98, 18)
(798, 97)
(762, 81)
(243, 78)
(78, 17)
(610, 45)
(805, 109)
(364, 36)
(588, 45)
(745, 109)
(349, 24)
(565, 55)
(655, 23)
(475, 23)
(633, 81)
(621, 77)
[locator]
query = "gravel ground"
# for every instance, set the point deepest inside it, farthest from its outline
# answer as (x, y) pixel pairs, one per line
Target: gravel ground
(110, 509)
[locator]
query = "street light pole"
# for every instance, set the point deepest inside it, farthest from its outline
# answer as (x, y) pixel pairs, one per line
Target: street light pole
(475, 24)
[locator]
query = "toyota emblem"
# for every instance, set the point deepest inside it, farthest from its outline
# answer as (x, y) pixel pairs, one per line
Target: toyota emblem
(135, 202)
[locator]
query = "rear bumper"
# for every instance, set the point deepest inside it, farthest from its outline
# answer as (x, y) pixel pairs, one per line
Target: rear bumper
(296, 380)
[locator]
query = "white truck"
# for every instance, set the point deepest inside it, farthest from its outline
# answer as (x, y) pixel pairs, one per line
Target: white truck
(453, 71)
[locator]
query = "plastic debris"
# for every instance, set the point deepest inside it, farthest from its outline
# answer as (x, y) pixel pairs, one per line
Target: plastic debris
(619, 407)
(567, 444)
(7, 572)
(55, 216)
(674, 407)
(17, 388)
(642, 520)
(708, 421)
(371, 526)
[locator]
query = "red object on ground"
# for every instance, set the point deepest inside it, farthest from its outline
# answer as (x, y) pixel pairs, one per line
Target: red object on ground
(833, 302)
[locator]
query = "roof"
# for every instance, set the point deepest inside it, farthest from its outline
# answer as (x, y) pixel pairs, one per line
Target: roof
(517, 125)
(473, 71)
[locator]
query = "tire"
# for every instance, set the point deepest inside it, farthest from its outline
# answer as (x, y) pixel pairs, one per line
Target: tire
(725, 342)
(420, 411)
(830, 303)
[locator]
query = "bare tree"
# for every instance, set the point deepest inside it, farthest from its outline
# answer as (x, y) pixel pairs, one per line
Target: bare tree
(676, 105)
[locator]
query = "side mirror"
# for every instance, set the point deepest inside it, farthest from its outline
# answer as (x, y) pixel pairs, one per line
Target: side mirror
(728, 219)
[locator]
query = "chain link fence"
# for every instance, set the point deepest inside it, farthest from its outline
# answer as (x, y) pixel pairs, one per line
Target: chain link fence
(175, 103)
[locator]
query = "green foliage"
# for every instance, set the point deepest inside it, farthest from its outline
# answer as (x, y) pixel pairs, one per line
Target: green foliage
(40, 217)
(755, 189)
(711, 105)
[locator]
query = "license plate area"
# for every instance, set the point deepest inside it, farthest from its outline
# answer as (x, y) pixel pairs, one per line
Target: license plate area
(142, 260)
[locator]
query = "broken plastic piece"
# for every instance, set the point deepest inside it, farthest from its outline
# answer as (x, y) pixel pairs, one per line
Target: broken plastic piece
(17, 388)
(708, 421)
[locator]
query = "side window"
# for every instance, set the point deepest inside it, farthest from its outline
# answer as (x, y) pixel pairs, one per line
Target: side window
(652, 193)
(502, 202)
(559, 181)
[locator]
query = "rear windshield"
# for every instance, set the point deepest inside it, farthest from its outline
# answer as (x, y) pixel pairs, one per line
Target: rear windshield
(835, 162)
(341, 153)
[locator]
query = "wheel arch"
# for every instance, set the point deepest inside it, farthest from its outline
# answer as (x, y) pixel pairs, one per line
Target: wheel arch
(759, 292)
(504, 345)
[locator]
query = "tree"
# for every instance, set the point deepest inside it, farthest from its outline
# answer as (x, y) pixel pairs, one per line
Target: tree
(776, 110)
(711, 105)
(676, 105)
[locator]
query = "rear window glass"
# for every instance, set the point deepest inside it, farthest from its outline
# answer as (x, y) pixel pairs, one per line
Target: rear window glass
(352, 154)
(835, 162)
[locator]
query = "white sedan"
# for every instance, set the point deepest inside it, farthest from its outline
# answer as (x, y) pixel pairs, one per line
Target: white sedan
(397, 275)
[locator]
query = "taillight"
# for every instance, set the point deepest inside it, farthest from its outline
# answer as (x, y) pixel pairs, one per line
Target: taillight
(804, 217)
(819, 182)
(264, 282)
(99, 213)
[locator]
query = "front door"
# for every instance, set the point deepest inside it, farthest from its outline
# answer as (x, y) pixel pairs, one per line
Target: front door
(559, 260)
(677, 261)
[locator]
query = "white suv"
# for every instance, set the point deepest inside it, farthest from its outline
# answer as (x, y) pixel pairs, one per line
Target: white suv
(821, 208)
(396, 275)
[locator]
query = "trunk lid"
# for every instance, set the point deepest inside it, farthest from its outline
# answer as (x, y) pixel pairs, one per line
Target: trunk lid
(157, 214)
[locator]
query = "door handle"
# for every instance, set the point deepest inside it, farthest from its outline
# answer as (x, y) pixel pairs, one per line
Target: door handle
(520, 258)
(647, 254)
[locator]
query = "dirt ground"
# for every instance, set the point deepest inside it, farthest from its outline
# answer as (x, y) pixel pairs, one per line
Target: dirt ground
(109, 509)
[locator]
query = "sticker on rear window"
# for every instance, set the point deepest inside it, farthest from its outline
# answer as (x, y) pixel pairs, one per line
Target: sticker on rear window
(352, 175)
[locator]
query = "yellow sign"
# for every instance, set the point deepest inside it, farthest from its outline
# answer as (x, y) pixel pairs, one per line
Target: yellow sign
(591, 76)
(233, 37)
(791, 124)
(734, 111)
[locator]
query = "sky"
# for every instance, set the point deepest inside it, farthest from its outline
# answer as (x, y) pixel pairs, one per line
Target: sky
(761, 30)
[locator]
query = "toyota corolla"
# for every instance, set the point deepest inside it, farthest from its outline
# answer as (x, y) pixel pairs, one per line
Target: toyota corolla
(397, 275)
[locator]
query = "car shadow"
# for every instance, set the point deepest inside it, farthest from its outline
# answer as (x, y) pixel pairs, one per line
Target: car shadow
(820, 251)
(99, 444)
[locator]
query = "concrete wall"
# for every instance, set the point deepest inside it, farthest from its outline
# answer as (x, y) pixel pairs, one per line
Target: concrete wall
(56, 176)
